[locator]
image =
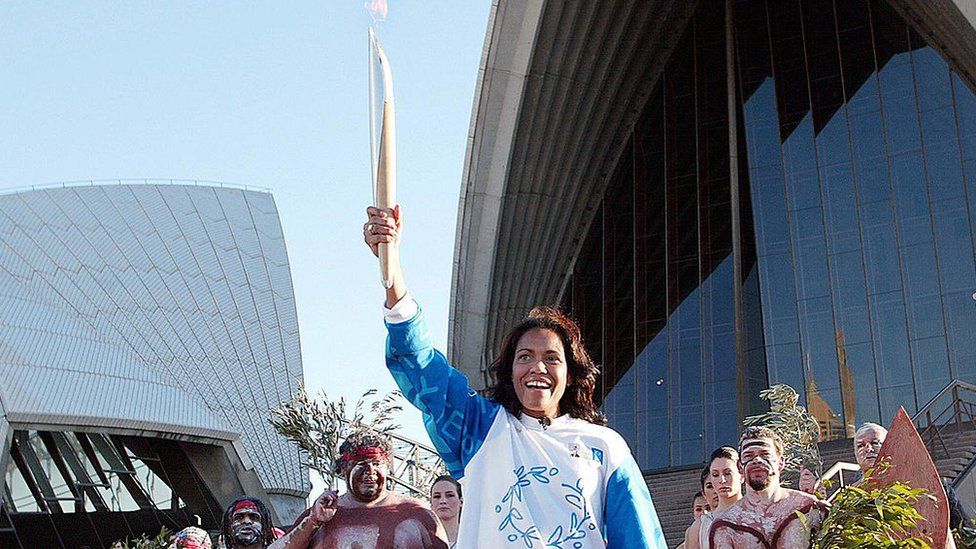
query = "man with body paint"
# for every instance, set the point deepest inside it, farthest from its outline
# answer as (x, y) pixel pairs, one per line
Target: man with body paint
(767, 516)
(368, 515)
(247, 525)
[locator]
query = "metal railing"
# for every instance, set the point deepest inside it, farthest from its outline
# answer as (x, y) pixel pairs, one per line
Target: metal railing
(940, 426)
(837, 470)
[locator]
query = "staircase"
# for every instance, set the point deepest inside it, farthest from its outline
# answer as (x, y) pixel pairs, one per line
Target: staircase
(672, 492)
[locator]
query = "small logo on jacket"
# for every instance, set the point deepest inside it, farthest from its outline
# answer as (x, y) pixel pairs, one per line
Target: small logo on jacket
(597, 454)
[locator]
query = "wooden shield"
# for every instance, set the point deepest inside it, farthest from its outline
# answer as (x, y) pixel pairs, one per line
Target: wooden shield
(911, 463)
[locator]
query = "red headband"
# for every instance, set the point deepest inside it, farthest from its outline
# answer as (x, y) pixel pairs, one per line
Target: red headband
(365, 453)
(246, 504)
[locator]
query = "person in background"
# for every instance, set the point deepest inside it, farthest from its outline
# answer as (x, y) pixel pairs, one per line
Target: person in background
(446, 501)
(247, 525)
(810, 482)
(867, 443)
(191, 537)
(703, 521)
(726, 480)
(698, 508)
(698, 505)
(369, 515)
(768, 516)
(547, 469)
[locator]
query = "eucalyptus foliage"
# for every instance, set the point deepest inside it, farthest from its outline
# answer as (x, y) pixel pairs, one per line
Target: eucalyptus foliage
(798, 429)
(159, 541)
(871, 514)
(319, 425)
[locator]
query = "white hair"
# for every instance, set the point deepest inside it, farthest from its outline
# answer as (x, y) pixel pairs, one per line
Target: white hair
(869, 426)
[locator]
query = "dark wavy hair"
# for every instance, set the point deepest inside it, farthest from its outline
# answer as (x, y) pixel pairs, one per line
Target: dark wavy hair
(267, 528)
(577, 401)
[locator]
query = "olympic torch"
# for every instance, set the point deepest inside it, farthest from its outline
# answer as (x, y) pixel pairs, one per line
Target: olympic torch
(382, 143)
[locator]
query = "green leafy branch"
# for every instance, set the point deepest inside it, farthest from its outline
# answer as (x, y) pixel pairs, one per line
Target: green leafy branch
(869, 514)
(794, 424)
(319, 425)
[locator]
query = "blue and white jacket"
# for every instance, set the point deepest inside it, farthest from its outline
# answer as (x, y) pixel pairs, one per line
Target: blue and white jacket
(570, 485)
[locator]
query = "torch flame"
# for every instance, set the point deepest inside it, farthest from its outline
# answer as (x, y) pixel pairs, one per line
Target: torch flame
(377, 9)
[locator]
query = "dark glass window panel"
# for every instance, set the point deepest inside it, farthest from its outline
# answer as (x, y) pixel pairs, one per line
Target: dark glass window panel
(931, 77)
(891, 398)
(685, 389)
(722, 425)
(954, 245)
(799, 163)
(769, 211)
(931, 368)
(588, 291)
(891, 352)
(850, 297)
(785, 364)
(859, 384)
(921, 284)
(652, 403)
(840, 208)
(618, 268)
(910, 199)
(880, 245)
(819, 344)
(823, 66)
(960, 311)
(778, 299)
(809, 253)
(789, 64)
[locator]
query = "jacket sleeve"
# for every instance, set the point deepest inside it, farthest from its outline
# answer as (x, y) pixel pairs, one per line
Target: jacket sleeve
(456, 417)
(629, 515)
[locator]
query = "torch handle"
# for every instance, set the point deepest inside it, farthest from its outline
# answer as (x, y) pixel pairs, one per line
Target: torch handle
(386, 190)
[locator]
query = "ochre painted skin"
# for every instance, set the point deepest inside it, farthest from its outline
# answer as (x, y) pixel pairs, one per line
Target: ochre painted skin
(246, 527)
(367, 480)
(760, 463)
(540, 373)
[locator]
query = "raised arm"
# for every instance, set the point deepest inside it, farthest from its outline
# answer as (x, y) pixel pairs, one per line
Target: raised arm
(455, 416)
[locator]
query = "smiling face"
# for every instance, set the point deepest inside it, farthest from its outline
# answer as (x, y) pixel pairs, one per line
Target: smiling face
(726, 478)
(444, 500)
(760, 463)
(246, 526)
(539, 372)
(366, 480)
(867, 444)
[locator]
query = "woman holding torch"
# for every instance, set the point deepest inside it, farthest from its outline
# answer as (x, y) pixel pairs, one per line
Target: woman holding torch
(537, 464)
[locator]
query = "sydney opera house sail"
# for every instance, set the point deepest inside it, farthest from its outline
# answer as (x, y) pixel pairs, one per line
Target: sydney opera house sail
(145, 331)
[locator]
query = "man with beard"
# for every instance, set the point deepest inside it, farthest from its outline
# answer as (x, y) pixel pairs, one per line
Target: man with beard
(368, 515)
(767, 516)
(247, 525)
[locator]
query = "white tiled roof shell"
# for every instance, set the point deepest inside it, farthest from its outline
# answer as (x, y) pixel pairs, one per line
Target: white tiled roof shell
(150, 307)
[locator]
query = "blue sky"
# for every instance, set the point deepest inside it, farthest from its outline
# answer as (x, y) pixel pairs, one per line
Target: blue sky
(271, 94)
